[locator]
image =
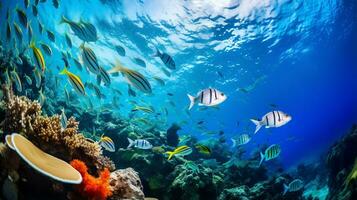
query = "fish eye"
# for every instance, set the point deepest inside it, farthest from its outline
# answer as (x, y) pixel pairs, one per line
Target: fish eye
(222, 94)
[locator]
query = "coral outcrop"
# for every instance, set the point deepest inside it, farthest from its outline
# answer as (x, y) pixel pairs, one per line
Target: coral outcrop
(126, 184)
(340, 162)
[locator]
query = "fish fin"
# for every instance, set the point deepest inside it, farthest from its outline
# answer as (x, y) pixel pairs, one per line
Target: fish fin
(192, 101)
(131, 143)
(32, 43)
(64, 71)
(258, 125)
(286, 188)
(262, 157)
(171, 153)
(234, 143)
(117, 68)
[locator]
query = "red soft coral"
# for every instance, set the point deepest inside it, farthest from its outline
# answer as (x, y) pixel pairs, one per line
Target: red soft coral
(91, 187)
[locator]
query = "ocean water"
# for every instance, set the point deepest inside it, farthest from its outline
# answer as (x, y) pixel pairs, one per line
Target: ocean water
(296, 56)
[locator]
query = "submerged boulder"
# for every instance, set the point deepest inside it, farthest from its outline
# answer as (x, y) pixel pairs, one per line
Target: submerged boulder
(172, 136)
(126, 184)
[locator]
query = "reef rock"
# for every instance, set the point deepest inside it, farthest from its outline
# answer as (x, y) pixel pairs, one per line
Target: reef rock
(126, 184)
(171, 135)
(340, 162)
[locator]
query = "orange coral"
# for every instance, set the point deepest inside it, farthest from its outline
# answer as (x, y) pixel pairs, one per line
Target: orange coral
(91, 187)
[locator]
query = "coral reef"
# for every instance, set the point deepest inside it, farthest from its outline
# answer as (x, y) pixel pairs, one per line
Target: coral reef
(91, 187)
(126, 184)
(27, 117)
(340, 162)
(24, 116)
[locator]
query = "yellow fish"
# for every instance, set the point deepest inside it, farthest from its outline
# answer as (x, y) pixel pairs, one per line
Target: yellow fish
(180, 151)
(142, 108)
(75, 81)
(40, 61)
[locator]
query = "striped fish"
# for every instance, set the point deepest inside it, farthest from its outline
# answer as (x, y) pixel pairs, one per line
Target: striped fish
(104, 76)
(8, 31)
(30, 32)
(26, 3)
(159, 80)
(40, 27)
(51, 36)
(18, 31)
(75, 81)
(40, 61)
(22, 17)
(203, 149)
(78, 64)
(166, 59)
(294, 186)
(7, 77)
(139, 143)
(120, 50)
(41, 98)
(207, 97)
(166, 72)
(34, 11)
(63, 118)
(38, 77)
(90, 59)
(140, 62)
(270, 153)
(66, 95)
(28, 80)
(272, 119)
(107, 143)
(241, 140)
(77, 28)
(16, 79)
(179, 151)
(46, 48)
(142, 108)
(68, 40)
(133, 77)
(131, 92)
(90, 32)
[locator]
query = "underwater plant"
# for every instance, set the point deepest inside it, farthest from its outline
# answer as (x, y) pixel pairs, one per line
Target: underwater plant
(91, 187)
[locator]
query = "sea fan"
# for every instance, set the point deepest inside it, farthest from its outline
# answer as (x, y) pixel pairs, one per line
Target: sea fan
(91, 187)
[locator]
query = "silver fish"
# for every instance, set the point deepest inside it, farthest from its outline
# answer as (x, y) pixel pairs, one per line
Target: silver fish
(207, 97)
(272, 119)
(139, 143)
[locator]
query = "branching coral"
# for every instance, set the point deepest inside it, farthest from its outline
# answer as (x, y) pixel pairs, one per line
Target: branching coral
(24, 116)
(91, 187)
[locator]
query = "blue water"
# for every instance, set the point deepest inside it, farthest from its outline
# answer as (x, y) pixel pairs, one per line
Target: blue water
(303, 53)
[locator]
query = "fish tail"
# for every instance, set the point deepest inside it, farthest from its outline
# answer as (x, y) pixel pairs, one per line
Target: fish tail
(157, 53)
(258, 125)
(262, 157)
(171, 153)
(234, 143)
(64, 20)
(131, 143)
(192, 101)
(32, 43)
(64, 71)
(286, 188)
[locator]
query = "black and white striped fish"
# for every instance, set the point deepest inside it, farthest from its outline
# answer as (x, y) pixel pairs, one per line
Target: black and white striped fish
(166, 59)
(90, 59)
(294, 186)
(207, 97)
(241, 140)
(272, 119)
(51, 36)
(270, 153)
(139, 143)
